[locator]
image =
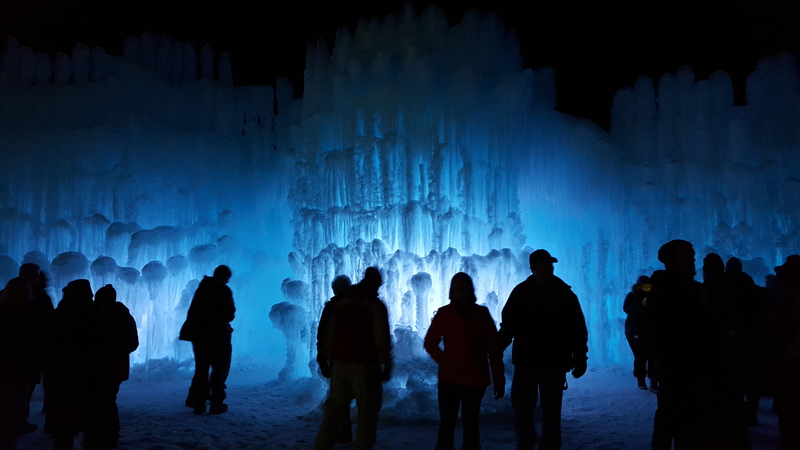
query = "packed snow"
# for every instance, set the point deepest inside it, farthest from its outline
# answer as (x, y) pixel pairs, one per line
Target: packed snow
(602, 410)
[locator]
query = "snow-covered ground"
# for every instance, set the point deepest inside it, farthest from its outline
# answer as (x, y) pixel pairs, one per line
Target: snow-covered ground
(602, 410)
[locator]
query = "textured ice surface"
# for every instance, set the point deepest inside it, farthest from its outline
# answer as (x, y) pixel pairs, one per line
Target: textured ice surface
(419, 148)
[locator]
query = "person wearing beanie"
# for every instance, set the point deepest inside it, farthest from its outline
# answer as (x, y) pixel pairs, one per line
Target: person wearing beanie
(71, 339)
(116, 339)
(680, 349)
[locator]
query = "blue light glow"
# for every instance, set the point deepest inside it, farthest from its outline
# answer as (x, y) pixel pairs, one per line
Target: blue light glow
(430, 154)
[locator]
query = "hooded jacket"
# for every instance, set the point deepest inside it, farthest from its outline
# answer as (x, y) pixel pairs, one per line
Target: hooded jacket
(358, 330)
(117, 339)
(470, 346)
(210, 314)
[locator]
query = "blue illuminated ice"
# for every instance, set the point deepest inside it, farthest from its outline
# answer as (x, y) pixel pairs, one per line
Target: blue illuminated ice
(417, 147)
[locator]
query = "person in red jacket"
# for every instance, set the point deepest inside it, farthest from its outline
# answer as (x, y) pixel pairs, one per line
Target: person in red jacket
(470, 348)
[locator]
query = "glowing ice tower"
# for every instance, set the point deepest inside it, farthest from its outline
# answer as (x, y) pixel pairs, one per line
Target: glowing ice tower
(419, 148)
(411, 131)
(426, 150)
(146, 171)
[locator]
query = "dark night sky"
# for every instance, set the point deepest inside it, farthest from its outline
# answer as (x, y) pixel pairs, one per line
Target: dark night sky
(594, 50)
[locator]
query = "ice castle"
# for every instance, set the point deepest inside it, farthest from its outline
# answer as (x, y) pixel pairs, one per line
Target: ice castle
(418, 147)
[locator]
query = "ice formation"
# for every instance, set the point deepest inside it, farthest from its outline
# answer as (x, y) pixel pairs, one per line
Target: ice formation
(417, 147)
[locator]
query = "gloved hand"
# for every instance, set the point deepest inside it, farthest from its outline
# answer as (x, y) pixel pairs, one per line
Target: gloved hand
(325, 369)
(499, 391)
(580, 366)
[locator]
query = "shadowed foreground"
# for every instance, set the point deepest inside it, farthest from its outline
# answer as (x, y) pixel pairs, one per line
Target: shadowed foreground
(602, 410)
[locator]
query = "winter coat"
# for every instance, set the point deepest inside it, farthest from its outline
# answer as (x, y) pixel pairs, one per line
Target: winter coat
(117, 338)
(679, 328)
(546, 324)
(70, 373)
(20, 343)
(322, 328)
(636, 322)
(470, 346)
(210, 313)
(358, 330)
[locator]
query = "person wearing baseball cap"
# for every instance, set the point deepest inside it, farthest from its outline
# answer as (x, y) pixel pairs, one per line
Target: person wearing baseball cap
(544, 320)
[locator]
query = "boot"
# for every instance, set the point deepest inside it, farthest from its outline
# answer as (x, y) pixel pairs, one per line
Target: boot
(199, 409)
(218, 408)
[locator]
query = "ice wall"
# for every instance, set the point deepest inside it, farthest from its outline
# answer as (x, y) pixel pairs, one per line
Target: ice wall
(725, 176)
(407, 163)
(145, 171)
(420, 148)
(408, 122)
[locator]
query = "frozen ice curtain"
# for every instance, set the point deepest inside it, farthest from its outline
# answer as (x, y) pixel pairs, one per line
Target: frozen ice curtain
(424, 156)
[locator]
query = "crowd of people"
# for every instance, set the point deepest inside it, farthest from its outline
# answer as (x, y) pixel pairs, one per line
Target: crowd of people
(542, 319)
(79, 352)
(712, 349)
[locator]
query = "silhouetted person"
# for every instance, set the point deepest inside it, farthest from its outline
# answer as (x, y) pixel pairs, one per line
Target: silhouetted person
(340, 285)
(470, 347)
(358, 348)
(783, 329)
(751, 306)
(679, 347)
(635, 306)
(208, 327)
(725, 425)
(716, 313)
(71, 344)
(734, 269)
(116, 339)
(18, 357)
(544, 319)
(41, 308)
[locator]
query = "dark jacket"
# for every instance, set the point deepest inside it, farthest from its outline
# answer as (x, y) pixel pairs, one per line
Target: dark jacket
(324, 325)
(117, 339)
(470, 345)
(546, 324)
(20, 343)
(358, 330)
(72, 339)
(679, 329)
(72, 335)
(210, 313)
(636, 321)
